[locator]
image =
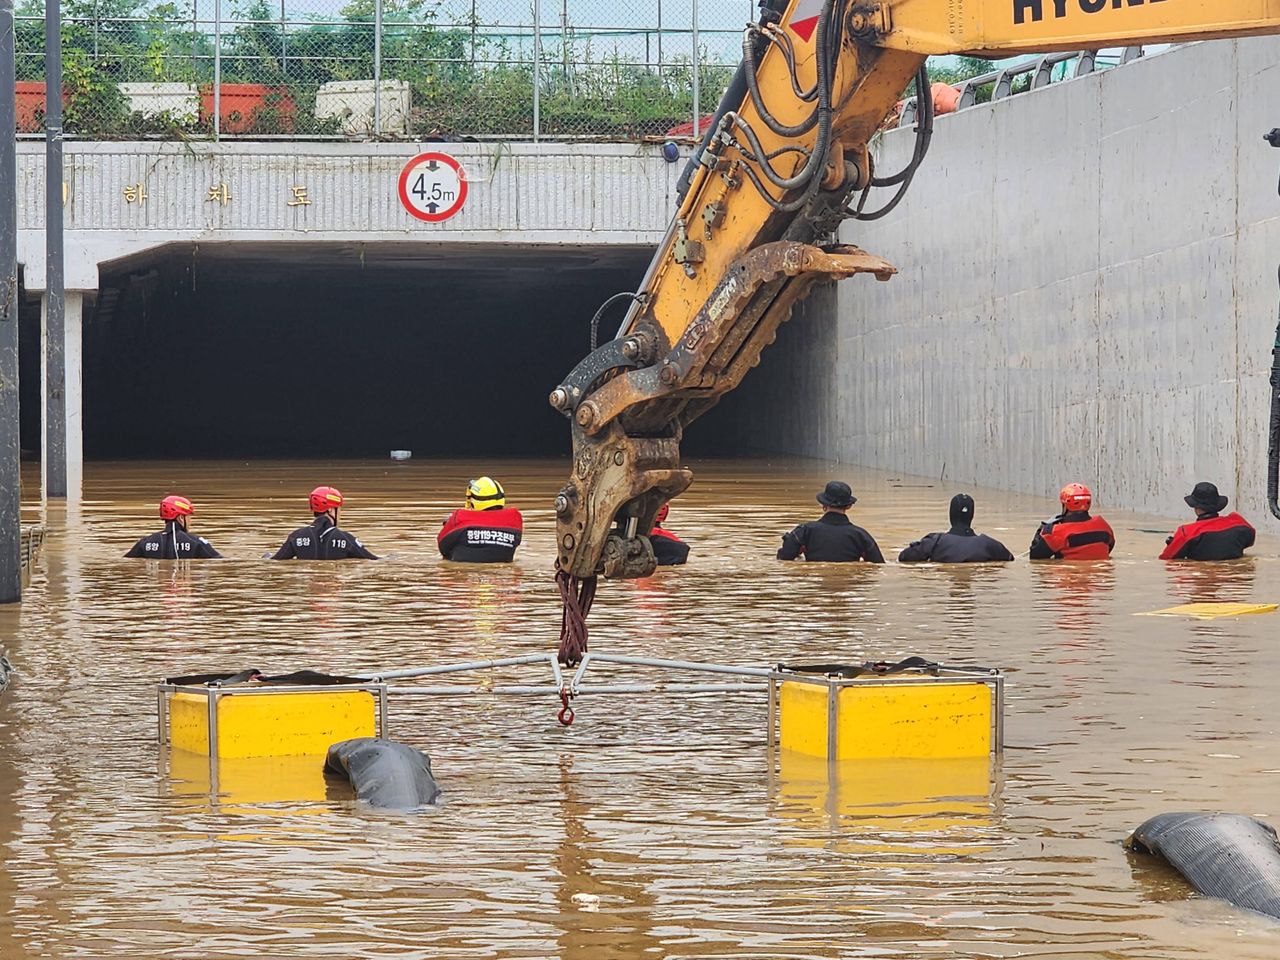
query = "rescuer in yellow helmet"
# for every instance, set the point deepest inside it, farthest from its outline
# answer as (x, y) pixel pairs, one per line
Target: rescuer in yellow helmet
(486, 530)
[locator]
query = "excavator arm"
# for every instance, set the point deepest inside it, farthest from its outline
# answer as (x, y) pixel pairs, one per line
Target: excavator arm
(783, 163)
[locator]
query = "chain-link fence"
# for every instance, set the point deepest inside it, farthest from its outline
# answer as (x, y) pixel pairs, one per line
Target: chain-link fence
(384, 69)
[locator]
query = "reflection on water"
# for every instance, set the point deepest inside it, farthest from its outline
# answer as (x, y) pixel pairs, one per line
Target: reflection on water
(670, 810)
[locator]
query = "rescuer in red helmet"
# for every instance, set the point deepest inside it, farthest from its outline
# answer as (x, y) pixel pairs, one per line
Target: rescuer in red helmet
(669, 549)
(174, 542)
(323, 539)
(1074, 534)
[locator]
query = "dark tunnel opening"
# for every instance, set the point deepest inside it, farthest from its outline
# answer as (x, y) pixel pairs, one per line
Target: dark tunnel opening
(243, 351)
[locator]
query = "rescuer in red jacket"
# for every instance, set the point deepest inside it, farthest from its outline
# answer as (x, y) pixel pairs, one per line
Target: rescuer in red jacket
(1073, 534)
(669, 549)
(486, 531)
(1210, 536)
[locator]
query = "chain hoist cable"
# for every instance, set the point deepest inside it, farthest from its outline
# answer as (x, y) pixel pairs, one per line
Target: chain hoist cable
(576, 597)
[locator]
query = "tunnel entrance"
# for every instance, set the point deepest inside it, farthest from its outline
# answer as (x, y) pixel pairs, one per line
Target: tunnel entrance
(245, 350)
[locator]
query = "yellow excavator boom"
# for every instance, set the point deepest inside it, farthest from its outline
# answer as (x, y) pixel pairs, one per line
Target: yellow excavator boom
(783, 163)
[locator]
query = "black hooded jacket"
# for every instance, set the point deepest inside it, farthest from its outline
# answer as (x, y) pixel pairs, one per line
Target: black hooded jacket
(958, 545)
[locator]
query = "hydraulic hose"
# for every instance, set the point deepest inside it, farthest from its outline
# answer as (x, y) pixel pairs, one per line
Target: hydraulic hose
(828, 45)
(595, 321)
(732, 96)
(757, 98)
(770, 12)
(924, 136)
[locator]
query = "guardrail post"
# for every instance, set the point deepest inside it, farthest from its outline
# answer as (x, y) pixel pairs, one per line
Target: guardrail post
(217, 68)
(377, 68)
(537, 69)
(697, 105)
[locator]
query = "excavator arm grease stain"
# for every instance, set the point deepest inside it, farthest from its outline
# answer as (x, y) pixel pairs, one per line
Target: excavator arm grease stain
(784, 162)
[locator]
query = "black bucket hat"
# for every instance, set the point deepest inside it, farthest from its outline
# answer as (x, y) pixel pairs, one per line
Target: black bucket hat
(1205, 496)
(837, 494)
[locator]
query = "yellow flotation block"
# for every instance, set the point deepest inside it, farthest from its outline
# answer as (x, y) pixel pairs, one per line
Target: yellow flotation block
(1212, 611)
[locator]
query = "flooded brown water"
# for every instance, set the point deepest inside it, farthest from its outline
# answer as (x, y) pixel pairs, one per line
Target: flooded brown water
(667, 809)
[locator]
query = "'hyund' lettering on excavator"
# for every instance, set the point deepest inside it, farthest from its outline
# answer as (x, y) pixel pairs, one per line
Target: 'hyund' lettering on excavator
(1060, 8)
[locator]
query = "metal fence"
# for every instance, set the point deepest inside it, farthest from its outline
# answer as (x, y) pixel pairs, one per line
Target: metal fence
(383, 69)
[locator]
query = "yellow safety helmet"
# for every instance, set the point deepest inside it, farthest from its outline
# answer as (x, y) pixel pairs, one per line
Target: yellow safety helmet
(485, 493)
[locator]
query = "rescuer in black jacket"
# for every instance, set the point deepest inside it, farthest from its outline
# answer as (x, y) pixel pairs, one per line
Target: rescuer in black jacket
(1209, 536)
(832, 538)
(174, 542)
(323, 539)
(959, 544)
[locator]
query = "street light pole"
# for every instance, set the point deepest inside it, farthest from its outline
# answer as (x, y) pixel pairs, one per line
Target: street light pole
(53, 456)
(10, 496)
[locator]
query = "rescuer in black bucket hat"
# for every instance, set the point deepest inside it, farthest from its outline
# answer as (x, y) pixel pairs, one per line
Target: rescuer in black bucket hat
(959, 544)
(1210, 536)
(832, 538)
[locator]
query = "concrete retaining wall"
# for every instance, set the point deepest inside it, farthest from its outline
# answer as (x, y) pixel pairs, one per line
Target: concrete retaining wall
(1088, 292)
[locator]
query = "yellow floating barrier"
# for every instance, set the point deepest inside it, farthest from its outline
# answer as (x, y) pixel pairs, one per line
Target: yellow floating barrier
(268, 721)
(249, 784)
(1212, 611)
(912, 710)
(939, 807)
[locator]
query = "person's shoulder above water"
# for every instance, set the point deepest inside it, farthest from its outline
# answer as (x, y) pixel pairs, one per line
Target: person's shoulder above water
(668, 549)
(174, 542)
(1210, 536)
(920, 551)
(832, 538)
(486, 530)
(323, 539)
(960, 544)
(1074, 534)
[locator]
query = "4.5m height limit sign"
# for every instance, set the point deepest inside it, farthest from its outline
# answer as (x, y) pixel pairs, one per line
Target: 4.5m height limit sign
(433, 187)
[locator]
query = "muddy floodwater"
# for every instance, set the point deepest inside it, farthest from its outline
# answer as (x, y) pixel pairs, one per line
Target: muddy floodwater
(666, 810)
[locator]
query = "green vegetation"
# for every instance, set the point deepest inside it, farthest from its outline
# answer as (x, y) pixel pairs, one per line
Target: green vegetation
(464, 80)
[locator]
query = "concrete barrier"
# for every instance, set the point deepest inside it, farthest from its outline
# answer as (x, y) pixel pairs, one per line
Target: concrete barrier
(1087, 292)
(181, 101)
(353, 101)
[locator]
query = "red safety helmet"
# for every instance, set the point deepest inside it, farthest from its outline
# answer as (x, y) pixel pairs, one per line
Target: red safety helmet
(662, 513)
(326, 498)
(171, 508)
(1075, 496)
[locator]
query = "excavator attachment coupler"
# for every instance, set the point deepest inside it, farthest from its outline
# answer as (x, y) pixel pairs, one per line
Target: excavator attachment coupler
(631, 399)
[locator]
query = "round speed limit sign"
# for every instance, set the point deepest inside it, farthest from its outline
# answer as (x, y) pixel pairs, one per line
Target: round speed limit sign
(433, 187)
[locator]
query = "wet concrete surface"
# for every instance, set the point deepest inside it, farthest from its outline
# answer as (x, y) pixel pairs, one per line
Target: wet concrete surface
(667, 809)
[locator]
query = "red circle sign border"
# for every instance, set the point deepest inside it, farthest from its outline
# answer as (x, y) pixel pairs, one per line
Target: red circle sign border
(404, 182)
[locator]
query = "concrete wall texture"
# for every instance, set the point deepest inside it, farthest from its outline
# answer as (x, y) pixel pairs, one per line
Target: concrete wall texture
(1087, 292)
(521, 193)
